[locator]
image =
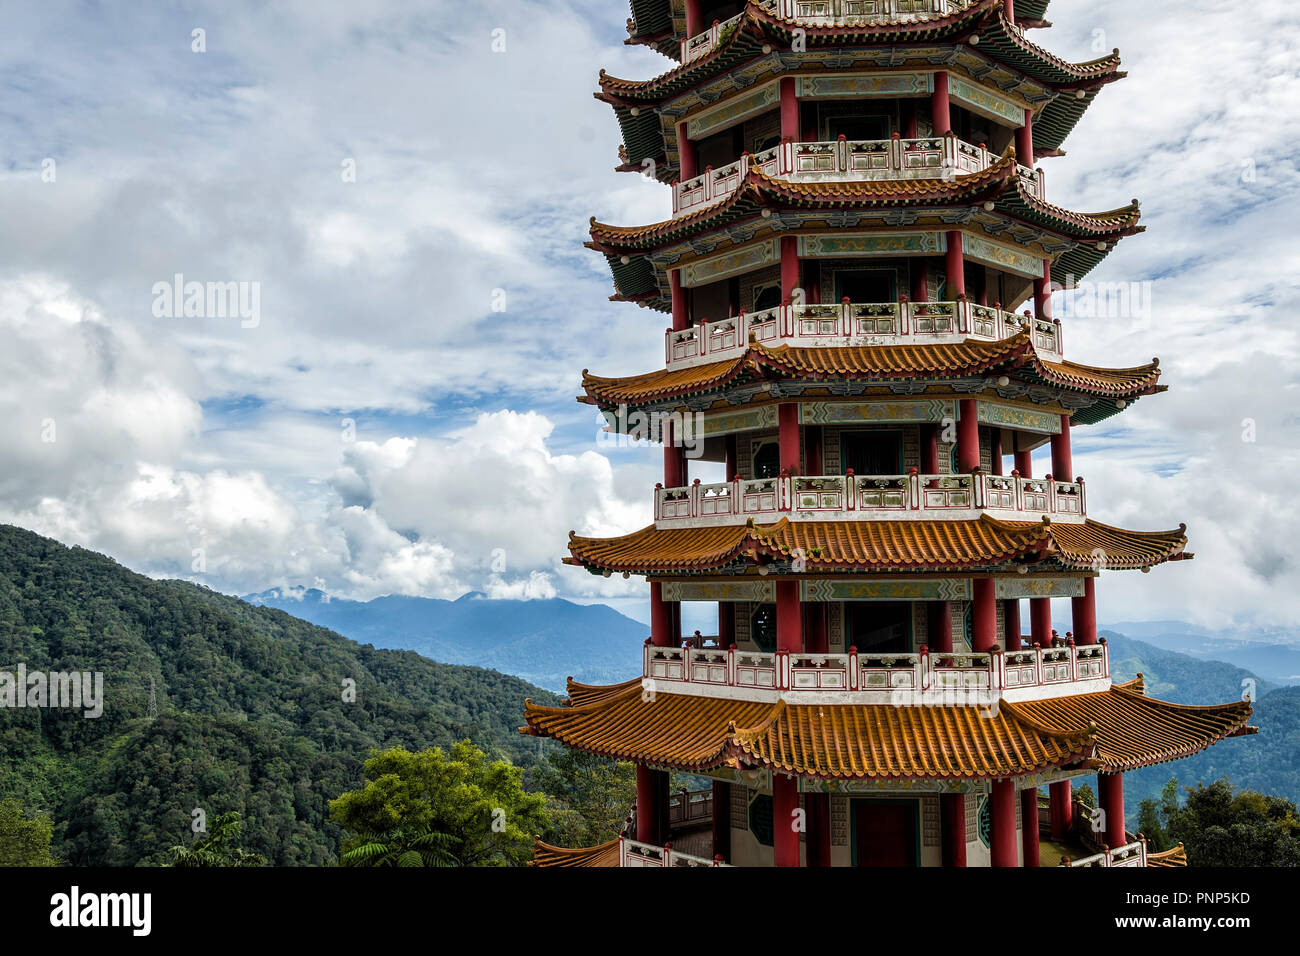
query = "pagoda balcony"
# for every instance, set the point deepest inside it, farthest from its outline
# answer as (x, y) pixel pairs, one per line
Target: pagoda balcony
(826, 13)
(936, 678)
(843, 160)
(633, 853)
(856, 324)
(870, 498)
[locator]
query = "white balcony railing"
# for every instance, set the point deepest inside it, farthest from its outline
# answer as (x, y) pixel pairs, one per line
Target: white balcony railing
(870, 498)
(928, 677)
(856, 324)
(634, 853)
(934, 157)
(1131, 854)
(826, 12)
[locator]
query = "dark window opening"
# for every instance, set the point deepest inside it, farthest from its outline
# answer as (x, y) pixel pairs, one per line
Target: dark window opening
(762, 627)
(767, 461)
(872, 453)
(879, 627)
(866, 285)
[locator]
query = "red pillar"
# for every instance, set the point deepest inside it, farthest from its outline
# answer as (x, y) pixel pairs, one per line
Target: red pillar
(1110, 797)
(726, 623)
(733, 457)
(1029, 826)
(1040, 621)
(785, 838)
(920, 280)
(661, 617)
(909, 119)
(1084, 613)
(787, 419)
(816, 634)
(955, 268)
(939, 626)
(789, 111)
(930, 449)
(984, 614)
(1062, 462)
(968, 436)
(695, 24)
(1025, 140)
(1043, 292)
(940, 113)
(817, 843)
(1011, 623)
(687, 161)
(789, 617)
(722, 820)
(674, 459)
(995, 443)
(789, 266)
(1009, 8)
(952, 813)
(681, 303)
(651, 805)
(1002, 838)
(1025, 463)
(813, 441)
(1061, 812)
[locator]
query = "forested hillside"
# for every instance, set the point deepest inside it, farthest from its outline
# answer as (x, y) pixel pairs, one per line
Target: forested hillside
(249, 710)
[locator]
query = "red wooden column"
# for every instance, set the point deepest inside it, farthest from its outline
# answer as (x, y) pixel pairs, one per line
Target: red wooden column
(789, 266)
(1025, 463)
(1084, 613)
(674, 459)
(1025, 140)
(1029, 826)
(733, 457)
(940, 110)
(1002, 838)
(687, 159)
(1062, 461)
(1110, 797)
(681, 301)
(726, 623)
(1043, 292)
(651, 805)
(787, 421)
(695, 24)
(661, 617)
(818, 842)
(1061, 812)
(939, 627)
(1040, 621)
(1011, 623)
(954, 268)
(789, 111)
(968, 436)
(789, 617)
(785, 838)
(995, 449)
(952, 826)
(920, 280)
(722, 820)
(930, 449)
(984, 614)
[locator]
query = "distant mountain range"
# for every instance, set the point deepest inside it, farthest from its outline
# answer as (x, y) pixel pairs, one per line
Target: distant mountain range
(542, 641)
(1272, 653)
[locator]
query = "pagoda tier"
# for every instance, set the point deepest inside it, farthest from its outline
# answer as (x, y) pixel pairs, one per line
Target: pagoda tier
(759, 374)
(729, 62)
(1115, 730)
(984, 543)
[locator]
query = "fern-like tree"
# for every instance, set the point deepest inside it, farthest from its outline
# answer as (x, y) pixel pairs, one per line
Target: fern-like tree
(458, 809)
(217, 846)
(24, 840)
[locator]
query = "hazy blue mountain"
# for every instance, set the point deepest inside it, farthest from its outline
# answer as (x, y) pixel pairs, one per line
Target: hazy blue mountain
(542, 642)
(1272, 653)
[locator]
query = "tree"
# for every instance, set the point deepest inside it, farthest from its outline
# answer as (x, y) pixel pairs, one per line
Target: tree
(24, 841)
(1154, 815)
(1220, 827)
(217, 847)
(478, 809)
(590, 796)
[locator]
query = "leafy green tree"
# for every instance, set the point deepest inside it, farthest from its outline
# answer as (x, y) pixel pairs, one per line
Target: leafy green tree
(217, 847)
(1154, 815)
(478, 805)
(24, 841)
(589, 796)
(1221, 827)
(404, 846)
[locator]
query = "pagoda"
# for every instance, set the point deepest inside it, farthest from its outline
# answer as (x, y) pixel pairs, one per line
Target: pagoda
(858, 267)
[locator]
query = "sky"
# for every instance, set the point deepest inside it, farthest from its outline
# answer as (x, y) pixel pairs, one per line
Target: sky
(400, 192)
